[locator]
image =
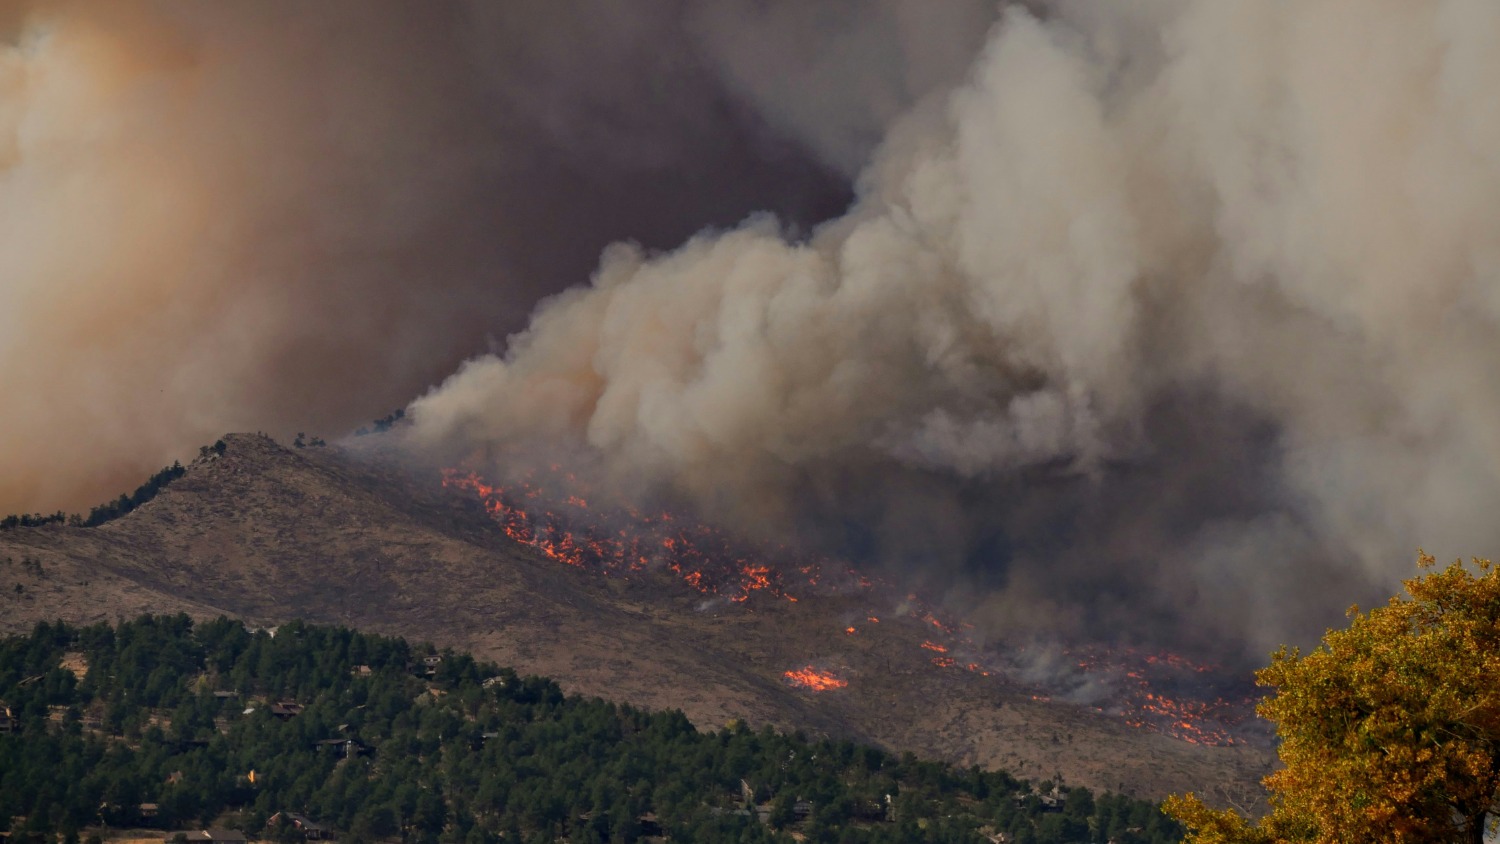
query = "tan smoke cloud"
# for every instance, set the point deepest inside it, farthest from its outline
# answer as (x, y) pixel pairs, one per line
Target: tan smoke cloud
(1181, 302)
(292, 216)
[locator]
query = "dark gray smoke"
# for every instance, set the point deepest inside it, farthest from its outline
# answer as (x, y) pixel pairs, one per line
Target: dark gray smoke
(289, 215)
(1177, 320)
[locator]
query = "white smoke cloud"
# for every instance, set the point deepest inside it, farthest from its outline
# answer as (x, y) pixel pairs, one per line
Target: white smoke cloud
(1193, 305)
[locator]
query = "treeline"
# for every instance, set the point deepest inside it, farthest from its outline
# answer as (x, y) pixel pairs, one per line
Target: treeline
(112, 510)
(383, 424)
(34, 520)
(125, 503)
(175, 725)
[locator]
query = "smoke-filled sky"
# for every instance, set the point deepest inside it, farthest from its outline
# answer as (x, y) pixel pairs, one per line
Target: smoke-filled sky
(297, 216)
(1169, 320)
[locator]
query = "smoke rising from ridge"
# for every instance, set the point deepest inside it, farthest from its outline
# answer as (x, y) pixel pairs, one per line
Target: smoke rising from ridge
(294, 216)
(1174, 316)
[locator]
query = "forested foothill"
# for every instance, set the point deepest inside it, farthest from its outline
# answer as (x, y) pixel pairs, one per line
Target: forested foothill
(162, 724)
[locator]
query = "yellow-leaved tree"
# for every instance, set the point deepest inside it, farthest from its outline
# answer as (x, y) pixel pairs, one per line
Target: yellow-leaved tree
(1390, 730)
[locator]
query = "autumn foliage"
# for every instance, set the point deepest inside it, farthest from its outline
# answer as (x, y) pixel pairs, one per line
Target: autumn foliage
(1390, 730)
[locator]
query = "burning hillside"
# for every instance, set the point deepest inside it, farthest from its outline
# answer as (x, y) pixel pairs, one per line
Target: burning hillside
(1167, 693)
(339, 535)
(547, 512)
(1167, 323)
(556, 513)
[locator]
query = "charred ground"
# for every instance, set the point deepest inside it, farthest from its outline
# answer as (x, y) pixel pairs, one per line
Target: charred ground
(336, 535)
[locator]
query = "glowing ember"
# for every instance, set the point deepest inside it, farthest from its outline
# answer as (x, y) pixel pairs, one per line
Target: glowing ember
(560, 517)
(930, 617)
(548, 513)
(1166, 693)
(814, 679)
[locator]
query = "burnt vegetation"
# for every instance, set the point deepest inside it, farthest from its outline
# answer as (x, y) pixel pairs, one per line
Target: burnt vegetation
(162, 723)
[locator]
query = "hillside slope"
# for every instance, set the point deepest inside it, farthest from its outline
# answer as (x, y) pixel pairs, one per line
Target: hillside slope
(267, 533)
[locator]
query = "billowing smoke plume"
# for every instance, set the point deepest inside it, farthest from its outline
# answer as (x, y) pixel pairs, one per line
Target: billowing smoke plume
(1176, 315)
(296, 216)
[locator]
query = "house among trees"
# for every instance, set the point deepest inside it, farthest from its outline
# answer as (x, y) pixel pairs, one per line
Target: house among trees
(286, 709)
(8, 721)
(310, 829)
(650, 824)
(1050, 801)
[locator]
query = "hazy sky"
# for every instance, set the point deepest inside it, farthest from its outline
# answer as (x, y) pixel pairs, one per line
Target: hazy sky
(297, 216)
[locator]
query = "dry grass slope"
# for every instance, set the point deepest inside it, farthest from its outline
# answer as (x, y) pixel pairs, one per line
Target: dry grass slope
(267, 533)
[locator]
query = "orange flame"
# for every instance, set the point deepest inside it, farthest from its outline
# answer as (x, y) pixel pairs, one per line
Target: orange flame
(814, 679)
(1144, 707)
(577, 534)
(558, 516)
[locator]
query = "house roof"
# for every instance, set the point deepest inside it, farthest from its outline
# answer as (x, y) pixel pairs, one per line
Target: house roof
(303, 821)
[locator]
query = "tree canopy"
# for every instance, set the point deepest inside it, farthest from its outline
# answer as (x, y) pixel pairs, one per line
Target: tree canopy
(1390, 730)
(164, 723)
